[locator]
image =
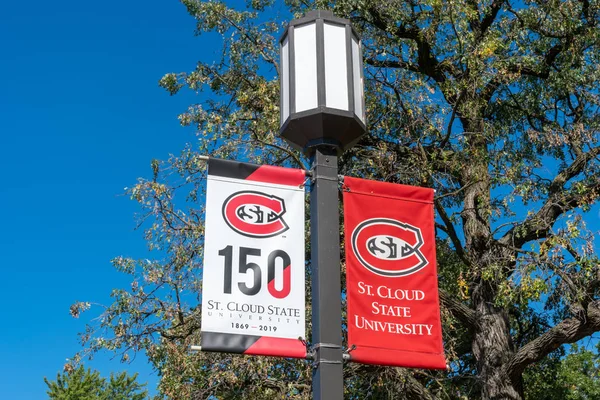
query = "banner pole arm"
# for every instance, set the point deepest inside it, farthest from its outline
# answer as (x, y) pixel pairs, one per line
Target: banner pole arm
(309, 355)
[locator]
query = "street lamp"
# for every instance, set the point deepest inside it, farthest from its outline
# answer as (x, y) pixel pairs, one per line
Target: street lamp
(322, 100)
(323, 114)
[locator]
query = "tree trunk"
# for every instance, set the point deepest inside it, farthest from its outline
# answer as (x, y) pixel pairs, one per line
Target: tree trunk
(492, 342)
(493, 348)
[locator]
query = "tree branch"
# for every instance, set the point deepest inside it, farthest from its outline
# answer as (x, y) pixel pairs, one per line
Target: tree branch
(465, 314)
(413, 389)
(451, 232)
(490, 16)
(393, 64)
(427, 63)
(572, 170)
(558, 203)
(569, 330)
(538, 227)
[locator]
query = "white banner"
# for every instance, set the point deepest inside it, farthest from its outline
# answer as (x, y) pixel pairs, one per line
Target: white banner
(254, 271)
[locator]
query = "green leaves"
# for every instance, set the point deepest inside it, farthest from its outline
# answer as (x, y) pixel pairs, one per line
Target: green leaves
(82, 384)
(124, 387)
(571, 377)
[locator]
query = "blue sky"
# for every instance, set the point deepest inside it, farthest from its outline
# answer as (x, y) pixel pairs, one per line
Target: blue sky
(81, 117)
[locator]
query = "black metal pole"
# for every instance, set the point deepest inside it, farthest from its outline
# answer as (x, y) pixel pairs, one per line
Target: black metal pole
(326, 291)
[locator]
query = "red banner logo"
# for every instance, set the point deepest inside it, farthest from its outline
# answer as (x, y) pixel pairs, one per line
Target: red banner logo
(389, 247)
(255, 214)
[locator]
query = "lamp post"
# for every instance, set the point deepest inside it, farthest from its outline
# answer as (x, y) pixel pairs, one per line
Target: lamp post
(323, 114)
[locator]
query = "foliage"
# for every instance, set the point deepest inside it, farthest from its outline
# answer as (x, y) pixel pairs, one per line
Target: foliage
(575, 376)
(124, 387)
(82, 384)
(493, 103)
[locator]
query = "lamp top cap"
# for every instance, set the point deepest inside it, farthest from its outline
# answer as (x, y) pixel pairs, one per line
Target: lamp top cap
(315, 15)
(320, 14)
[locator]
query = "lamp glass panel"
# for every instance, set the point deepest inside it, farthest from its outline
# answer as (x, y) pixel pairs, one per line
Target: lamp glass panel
(358, 81)
(285, 80)
(305, 67)
(336, 70)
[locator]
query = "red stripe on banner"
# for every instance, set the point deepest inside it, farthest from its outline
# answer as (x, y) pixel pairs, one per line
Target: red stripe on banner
(394, 358)
(278, 347)
(392, 289)
(393, 190)
(287, 287)
(278, 175)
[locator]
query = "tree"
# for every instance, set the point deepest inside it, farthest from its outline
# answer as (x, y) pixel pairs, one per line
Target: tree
(82, 384)
(493, 103)
(78, 384)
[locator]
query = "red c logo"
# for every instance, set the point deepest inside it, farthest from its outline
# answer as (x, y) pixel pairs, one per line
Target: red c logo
(255, 214)
(388, 247)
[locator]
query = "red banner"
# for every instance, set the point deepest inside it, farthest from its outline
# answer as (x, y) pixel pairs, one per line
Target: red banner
(392, 291)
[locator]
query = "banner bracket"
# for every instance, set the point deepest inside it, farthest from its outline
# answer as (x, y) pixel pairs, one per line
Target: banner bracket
(316, 363)
(318, 359)
(316, 346)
